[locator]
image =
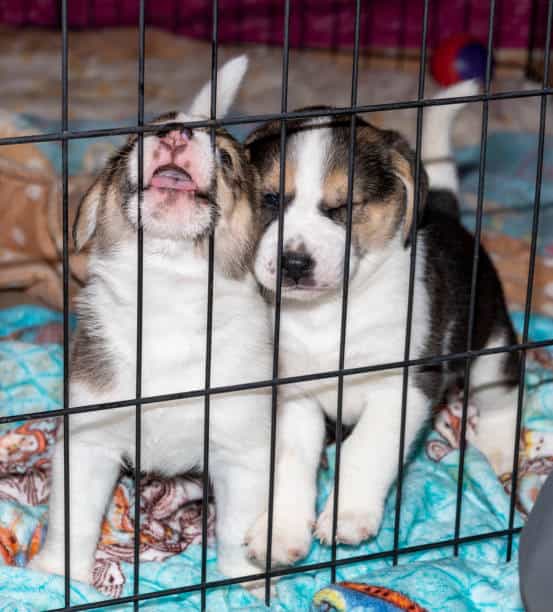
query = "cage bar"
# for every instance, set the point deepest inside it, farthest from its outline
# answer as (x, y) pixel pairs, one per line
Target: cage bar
(288, 380)
(289, 571)
(139, 304)
(65, 263)
(474, 279)
(209, 322)
(345, 288)
(411, 288)
(300, 114)
(278, 294)
(530, 279)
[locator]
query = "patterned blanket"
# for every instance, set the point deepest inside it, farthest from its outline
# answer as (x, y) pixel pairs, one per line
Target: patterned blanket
(30, 379)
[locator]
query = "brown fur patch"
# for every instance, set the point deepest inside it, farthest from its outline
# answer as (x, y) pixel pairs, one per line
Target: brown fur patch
(90, 361)
(271, 177)
(238, 226)
(383, 185)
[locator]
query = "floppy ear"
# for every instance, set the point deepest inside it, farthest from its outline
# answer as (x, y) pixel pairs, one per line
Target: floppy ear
(229, 79)
(404, 163)
(87, 214)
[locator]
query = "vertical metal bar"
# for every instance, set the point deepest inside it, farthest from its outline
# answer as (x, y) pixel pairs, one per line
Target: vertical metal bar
(531, 37)
(530, 281)
(411, 289)
(474, 279)
(278, 294)
(345, 286)
(402, 38)
(209, 322)
(139, 297)
(65, 263)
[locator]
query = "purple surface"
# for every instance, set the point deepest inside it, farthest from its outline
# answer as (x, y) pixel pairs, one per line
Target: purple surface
(313, 23)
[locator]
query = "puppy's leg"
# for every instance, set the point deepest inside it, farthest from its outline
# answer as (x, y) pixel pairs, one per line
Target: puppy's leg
(300, 434)
(93, 475)
(496, 429)
(369, 462)
(497, 401)
(241, 491)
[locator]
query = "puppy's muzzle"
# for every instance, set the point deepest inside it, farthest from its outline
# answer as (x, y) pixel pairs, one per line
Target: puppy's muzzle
(296, 266)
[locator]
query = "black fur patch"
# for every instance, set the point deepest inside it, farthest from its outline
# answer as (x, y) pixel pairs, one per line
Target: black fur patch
(448, 274)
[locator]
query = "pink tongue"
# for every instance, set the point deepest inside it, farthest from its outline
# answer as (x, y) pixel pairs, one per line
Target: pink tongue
(170, 180)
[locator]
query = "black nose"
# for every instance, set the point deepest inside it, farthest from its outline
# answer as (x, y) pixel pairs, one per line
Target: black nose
(296, 265)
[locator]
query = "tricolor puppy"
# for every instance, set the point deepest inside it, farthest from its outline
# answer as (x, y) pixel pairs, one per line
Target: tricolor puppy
(189, 192)
(315, 216)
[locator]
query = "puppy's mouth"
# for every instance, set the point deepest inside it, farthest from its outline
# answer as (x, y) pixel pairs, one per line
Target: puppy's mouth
(305, 284)
(173, 177)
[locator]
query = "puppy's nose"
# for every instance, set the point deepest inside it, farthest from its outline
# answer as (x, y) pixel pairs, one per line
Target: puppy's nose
(296, 265)
(177, 138)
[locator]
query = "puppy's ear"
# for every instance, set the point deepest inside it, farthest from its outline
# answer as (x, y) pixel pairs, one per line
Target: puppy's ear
(87, 214)
(229, 79)
(404, 163)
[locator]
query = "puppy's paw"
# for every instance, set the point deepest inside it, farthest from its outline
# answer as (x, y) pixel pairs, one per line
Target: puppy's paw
(500, 458)
(291, 539)
(355, 525)
(257, 588)
(48, 562)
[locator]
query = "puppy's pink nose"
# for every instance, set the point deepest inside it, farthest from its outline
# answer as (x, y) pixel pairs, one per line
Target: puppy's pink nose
(177, 138)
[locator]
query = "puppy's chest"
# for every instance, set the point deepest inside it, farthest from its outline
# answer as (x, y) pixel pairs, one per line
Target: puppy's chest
(172, 435)
(173, 353)
(311, 341)
(310, 344)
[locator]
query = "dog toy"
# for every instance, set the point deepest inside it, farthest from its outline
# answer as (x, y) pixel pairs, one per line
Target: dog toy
(459, 58)
(345, 596)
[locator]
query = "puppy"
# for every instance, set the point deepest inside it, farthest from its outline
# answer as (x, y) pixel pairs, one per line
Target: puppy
(189, 192)
(315, 219)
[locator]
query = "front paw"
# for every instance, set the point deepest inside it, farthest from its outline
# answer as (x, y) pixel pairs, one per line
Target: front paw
(49, 562)
(291, 539)
(356, 523)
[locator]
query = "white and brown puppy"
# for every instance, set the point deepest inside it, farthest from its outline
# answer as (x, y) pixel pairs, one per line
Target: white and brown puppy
(315, 216)
(189, 191)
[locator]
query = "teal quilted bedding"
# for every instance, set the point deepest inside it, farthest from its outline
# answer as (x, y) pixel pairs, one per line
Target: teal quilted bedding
(30, 379)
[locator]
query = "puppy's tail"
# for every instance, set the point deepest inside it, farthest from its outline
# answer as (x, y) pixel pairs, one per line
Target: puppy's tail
(436, 151)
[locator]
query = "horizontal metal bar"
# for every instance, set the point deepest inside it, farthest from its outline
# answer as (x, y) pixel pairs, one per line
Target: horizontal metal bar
(303, 114)
(287, 571)
(426, 361)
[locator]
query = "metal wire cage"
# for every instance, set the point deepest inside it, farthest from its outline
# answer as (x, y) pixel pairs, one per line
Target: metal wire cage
(65, 135)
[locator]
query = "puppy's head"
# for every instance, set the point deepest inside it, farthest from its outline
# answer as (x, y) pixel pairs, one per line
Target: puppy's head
(315, 200)
(189, 188)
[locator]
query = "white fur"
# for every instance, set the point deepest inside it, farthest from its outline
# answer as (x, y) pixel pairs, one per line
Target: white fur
(310, 342)
(229, 79)
(310, 336)
(175, 298)
(436, 136)
(497, 406)
(326, 242)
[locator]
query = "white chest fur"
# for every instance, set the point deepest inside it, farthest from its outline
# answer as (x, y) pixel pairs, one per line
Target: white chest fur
(375, 332)
(174, 356)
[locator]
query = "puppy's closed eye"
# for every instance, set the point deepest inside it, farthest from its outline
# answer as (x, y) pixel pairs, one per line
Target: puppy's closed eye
(338, 211)
(226, 159)
(271, 201)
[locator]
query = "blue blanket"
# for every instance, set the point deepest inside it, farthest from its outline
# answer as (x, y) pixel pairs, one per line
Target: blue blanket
(478, 579)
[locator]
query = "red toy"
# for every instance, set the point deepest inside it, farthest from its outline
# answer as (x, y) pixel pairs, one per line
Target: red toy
(459, 58)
